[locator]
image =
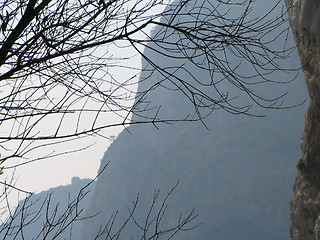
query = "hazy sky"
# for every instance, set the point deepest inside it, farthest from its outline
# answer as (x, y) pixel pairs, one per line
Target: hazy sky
(42, 175)
(48, 173)
(52, 172)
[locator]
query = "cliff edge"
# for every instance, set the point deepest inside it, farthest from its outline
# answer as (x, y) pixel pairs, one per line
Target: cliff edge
(305, 206)
(237, 175)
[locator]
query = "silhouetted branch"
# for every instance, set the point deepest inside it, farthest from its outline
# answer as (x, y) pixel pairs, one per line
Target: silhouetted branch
(56, 67)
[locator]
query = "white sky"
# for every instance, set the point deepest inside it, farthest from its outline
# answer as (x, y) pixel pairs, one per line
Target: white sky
(52, 172)
(47, 173)
(42, 175)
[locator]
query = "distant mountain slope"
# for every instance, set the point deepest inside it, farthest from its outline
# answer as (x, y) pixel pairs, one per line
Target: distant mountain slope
(238, 174)
(53, 205)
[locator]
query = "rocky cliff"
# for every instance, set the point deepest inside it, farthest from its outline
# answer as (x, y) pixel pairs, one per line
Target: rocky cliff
(237, 175)
(305, 207)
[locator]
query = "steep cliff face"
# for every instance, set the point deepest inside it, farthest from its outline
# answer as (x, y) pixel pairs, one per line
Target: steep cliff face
(237, 175)
(305, 207)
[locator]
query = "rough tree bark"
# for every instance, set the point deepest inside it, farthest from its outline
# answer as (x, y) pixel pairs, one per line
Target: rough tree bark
(304, 17)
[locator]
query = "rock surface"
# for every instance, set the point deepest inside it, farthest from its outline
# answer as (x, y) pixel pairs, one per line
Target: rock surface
(237, 175)
(305, 207)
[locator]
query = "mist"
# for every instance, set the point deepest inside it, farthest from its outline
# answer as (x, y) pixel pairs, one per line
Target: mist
(228, 176)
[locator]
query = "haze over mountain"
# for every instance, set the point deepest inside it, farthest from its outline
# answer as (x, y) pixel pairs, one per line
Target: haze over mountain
(238, 175)
(55, 205)
(236, 171)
